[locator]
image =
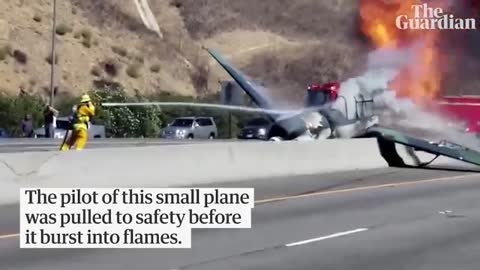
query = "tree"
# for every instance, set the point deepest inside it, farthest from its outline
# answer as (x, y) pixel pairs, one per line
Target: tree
(13, 109)
(125, 121)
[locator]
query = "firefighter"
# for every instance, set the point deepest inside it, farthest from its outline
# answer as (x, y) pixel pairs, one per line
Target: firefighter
(84, 114)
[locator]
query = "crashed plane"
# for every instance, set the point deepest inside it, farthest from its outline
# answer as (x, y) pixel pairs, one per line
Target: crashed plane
(328, 114)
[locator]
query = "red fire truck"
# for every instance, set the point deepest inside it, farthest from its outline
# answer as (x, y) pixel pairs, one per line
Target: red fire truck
(463, 108)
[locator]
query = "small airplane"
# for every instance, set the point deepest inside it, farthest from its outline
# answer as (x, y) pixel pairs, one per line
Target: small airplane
(328, 114)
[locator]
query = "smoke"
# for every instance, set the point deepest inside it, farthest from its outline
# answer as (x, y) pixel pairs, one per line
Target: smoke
(395, 112)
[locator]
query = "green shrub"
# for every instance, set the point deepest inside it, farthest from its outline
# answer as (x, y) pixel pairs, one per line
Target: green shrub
(37, 18)
(62, 29)
(49, 59)
(126, 121)
(96, 71)
(155, 68)
(87, 43)
(14, 108)
(176, 3)
(120, 51)
(86, 33)
(87, 37)
(20, 57)
(5, 51)
(134, 70)
(111, 67)
(140, 59)
(64, 103)
(3, 54)
(199, 78)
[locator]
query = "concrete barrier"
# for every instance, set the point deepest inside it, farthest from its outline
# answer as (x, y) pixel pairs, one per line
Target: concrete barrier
(8, 187)
(181, 165)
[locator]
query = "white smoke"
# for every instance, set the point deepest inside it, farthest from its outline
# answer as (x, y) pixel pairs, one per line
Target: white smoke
(394, 112)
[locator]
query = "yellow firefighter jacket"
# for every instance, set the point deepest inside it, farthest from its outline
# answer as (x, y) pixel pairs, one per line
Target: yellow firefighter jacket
(84, 114)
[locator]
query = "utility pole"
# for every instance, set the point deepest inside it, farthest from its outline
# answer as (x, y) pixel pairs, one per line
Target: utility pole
(52, 70)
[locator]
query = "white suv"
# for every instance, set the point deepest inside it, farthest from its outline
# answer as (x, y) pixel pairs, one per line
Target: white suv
(191, 128)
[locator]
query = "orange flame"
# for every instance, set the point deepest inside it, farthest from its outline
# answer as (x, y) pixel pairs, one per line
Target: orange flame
(420, 79)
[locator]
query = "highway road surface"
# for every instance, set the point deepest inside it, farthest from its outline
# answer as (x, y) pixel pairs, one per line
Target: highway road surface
(376, 219)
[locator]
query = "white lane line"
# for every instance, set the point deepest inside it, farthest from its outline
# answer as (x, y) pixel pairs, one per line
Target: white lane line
(6, 236)
(326, 237)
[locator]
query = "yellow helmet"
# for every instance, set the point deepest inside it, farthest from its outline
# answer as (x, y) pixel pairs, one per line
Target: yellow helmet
(85, 99)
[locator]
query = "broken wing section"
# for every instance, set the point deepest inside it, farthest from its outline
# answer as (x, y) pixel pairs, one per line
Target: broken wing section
(387, 137)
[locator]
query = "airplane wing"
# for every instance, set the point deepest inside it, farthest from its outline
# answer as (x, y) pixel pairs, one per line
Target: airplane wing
(256, 92)
(387, 138)
(287, 125)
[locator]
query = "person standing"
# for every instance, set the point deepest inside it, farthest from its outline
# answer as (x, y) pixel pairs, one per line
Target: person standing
(27, 126)
(50, 116)
(84, 114)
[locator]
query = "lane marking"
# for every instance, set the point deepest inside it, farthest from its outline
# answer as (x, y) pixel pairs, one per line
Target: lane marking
(320, 193)
(335, 235)
(347, 190)
(6, 236)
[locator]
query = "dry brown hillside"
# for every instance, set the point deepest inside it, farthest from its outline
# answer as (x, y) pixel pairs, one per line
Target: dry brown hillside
(285, 43)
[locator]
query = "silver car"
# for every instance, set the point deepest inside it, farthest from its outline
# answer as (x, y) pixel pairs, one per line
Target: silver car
(191, 128)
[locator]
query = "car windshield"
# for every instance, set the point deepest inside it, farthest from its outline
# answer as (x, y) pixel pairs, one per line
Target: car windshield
(258, 122)
(182, 123)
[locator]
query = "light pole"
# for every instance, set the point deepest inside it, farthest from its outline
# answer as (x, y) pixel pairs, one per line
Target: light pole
(52, 70)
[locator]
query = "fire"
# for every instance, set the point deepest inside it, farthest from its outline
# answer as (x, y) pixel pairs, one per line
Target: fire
(422, 78)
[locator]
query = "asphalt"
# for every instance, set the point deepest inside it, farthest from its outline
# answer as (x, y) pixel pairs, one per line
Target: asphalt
(376, 219)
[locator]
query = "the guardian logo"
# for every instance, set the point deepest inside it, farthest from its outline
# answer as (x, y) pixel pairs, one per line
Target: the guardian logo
(427, 18)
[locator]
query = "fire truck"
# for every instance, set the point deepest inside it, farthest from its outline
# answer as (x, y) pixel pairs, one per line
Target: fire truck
(463, 108)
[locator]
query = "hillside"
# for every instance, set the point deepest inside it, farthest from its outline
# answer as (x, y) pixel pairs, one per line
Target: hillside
(286, 43)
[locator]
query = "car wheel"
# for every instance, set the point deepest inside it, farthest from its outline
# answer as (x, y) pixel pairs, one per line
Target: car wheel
(211, 137)
(190, 137)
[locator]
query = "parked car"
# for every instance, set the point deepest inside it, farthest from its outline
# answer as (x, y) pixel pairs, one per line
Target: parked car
(255, 129)
(63, 123)
(191, 128)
